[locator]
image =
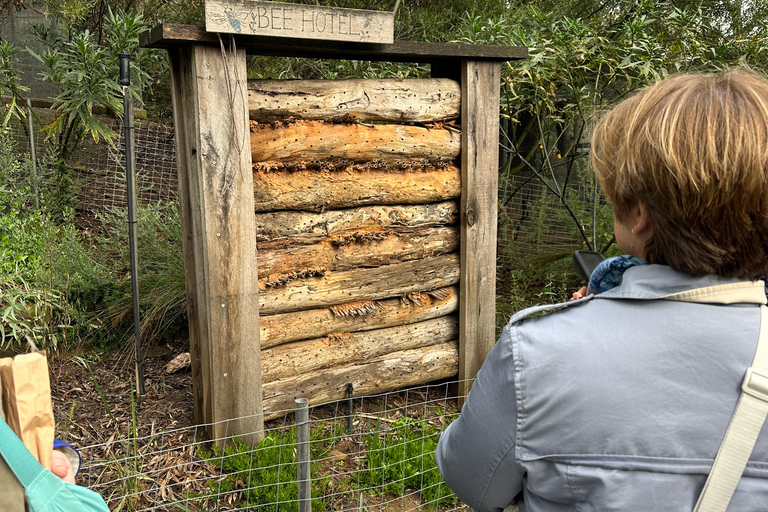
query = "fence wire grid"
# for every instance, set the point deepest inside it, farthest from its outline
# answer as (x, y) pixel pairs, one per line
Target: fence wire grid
(378, 457)
(99, 168)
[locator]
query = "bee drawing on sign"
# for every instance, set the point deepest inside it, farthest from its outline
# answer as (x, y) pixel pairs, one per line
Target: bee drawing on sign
(365, 32)
(231, 17)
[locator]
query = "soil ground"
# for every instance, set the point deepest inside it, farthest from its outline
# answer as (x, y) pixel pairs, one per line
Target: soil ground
(93, 407)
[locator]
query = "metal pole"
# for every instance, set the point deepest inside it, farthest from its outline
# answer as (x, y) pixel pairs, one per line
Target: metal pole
(32, 153)
(302, 440)
(350, 421)
(130, 179)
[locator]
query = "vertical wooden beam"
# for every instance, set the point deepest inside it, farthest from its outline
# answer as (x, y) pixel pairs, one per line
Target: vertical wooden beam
(185, 133)
(479, 195)
(216, 195)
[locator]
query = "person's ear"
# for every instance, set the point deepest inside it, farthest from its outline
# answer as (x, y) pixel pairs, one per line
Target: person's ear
(640, 221)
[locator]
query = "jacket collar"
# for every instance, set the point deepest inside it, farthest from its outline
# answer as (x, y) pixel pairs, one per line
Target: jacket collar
(646, 282)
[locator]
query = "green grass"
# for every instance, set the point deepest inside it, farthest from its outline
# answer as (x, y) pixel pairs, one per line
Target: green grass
(268, 472)
(396, 460)
(404, 458)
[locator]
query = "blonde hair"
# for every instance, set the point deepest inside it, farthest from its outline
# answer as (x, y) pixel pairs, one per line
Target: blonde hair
(694, 150)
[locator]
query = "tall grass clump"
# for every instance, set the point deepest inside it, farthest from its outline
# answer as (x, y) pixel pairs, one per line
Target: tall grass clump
(162, 292)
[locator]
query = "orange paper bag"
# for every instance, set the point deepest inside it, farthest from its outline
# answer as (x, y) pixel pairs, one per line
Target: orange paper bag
(26, 393)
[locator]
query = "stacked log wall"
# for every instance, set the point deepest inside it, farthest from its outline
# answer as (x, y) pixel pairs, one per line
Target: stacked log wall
(356, 192)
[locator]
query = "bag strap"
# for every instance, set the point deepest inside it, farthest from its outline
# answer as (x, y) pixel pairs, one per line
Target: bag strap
(21, 461)
(742, 432)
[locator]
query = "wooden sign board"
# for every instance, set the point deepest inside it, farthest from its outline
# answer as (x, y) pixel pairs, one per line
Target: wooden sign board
(277, 19)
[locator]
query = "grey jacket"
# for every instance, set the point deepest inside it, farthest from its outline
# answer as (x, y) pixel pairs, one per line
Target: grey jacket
(614, 404)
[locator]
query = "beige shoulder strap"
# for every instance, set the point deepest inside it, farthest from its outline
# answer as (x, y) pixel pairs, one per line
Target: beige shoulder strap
(743, 430)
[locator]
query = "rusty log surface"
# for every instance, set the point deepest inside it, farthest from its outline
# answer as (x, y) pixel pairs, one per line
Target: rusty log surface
(318, 140)
(326, 190)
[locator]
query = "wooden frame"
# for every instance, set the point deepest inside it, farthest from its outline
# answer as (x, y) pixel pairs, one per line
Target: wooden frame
(217, 202)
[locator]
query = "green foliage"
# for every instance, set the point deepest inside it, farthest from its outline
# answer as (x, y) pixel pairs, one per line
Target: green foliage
(268, 471)
(404, 458)
(400, 458)
(578, 67)
(87, 73)
(10, 82)
(79, 68)
(45, 272)
(30, 314)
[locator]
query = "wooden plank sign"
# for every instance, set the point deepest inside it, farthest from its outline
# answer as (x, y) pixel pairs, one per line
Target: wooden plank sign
(277, 19)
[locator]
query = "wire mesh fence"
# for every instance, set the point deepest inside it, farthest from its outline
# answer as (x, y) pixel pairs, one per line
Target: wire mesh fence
(366, 453)
(99, 168)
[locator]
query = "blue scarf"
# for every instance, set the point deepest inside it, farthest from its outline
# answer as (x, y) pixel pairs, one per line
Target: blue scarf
(608, 273)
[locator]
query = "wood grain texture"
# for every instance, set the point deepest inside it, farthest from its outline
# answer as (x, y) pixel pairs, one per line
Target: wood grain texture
(299, 21)
(278, 228)
(356, 316)
(394, 100)
(383, 282)
(327, 190)
(363, 248)
(186, 125)
(339, 349)
(219, 186)
(397, 370)
(318, 140)
(170, 35)
(479, 190)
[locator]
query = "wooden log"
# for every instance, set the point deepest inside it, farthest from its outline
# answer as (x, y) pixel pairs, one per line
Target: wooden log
(300, 357)
(359, 249)
(395, 100)
(317, 140)
(384, 282)
(479, 192)
(397, 370)
(309, 227)
(212, 122)
(356, 316)
(321, 190)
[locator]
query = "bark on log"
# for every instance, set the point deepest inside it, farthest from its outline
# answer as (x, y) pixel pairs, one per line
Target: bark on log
(359, 249)
(396, 100)
(316, 140)
(321, 190)
(301, 357)
(356, 316)
(390, 372)
(313, 227)
(335, 288)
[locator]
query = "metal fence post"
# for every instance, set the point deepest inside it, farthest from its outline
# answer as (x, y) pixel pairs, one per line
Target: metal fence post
(130, 185)
(32, 154)
(302, 463)
(350, 420)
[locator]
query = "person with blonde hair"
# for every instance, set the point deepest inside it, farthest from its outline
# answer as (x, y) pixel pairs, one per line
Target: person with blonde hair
(620, 400)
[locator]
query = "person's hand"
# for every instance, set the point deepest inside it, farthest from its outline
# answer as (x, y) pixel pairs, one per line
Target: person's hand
(579, 294)
(61, 467)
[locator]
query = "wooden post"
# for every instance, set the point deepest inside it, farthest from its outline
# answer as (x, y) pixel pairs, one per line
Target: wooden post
(216, 195)
(479, 184)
